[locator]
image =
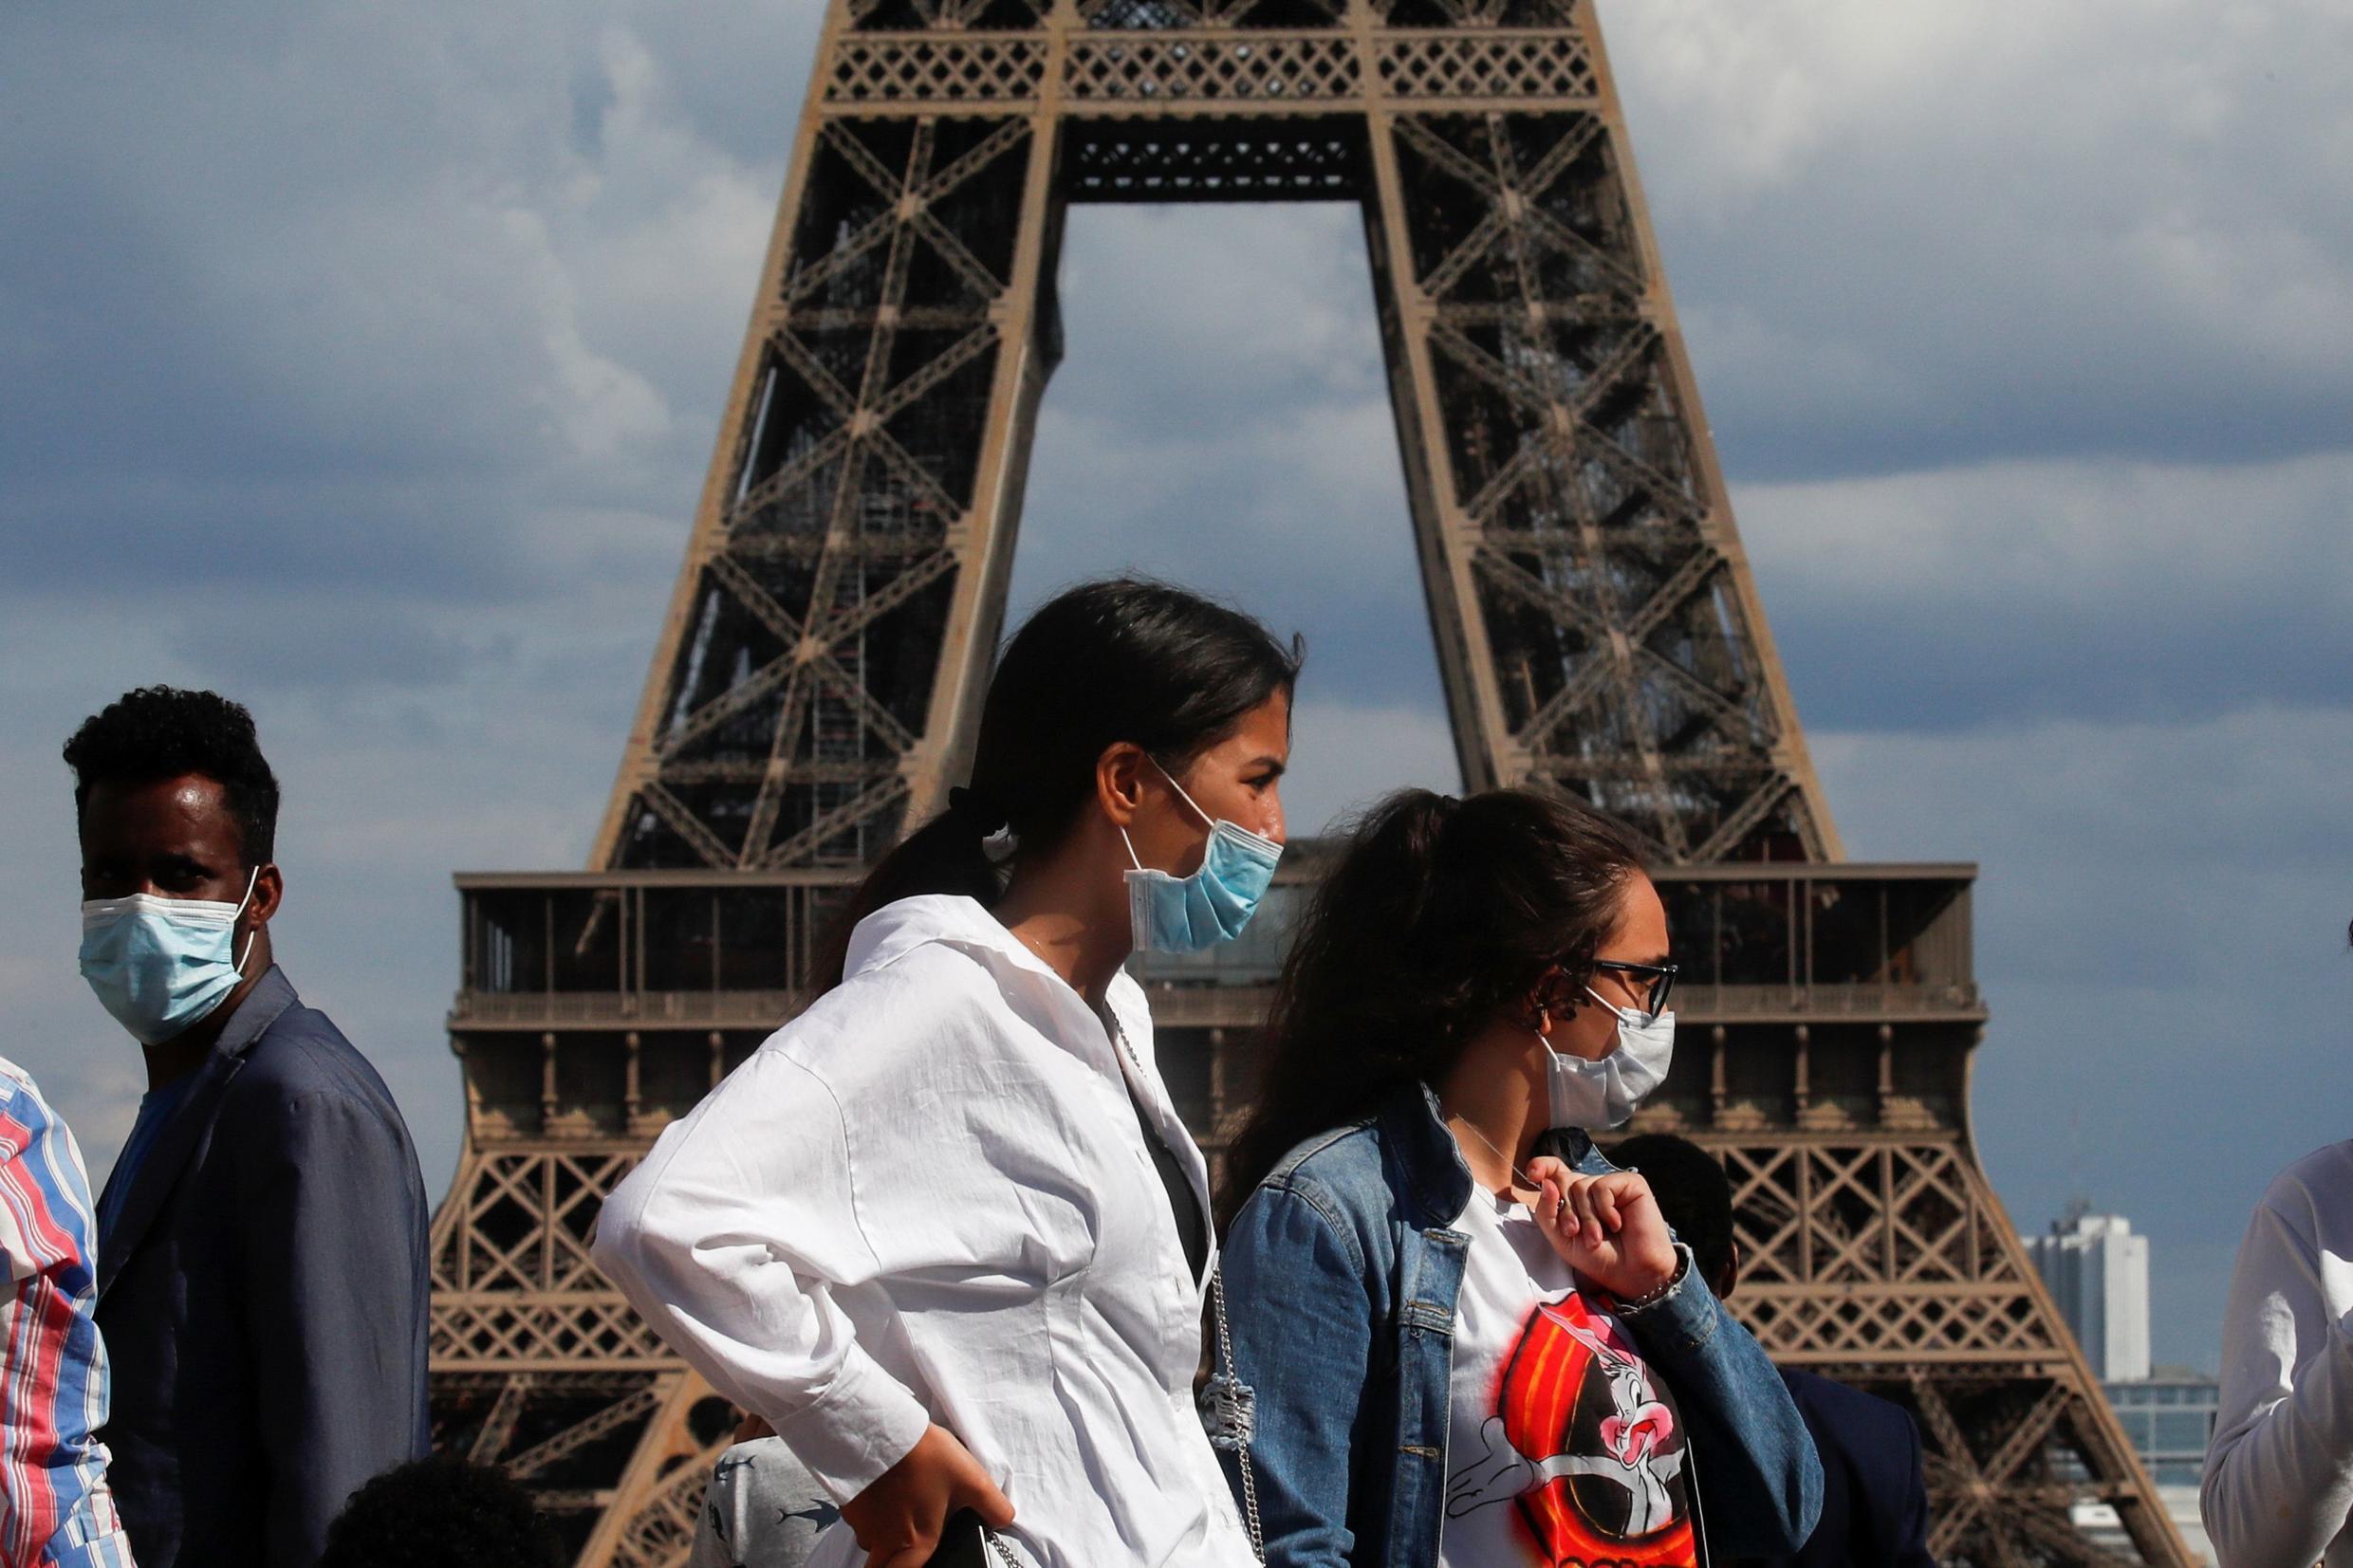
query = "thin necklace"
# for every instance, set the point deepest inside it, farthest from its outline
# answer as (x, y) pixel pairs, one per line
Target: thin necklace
(1533, 1184)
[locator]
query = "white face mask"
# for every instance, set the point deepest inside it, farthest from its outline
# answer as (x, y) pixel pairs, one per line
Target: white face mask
(1592, 1095)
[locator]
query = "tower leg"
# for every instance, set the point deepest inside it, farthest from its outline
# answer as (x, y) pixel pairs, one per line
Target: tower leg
(1593, 624)
(846, 581)
(650, 1521)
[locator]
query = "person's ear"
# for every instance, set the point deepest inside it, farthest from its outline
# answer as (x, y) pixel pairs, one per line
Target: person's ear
(269, 893)
(1552, 998)
(1533, 1013)
(1119, 781)
(1731, 1271)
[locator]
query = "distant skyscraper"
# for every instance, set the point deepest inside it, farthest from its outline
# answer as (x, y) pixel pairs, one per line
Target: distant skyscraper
(2098, 1270)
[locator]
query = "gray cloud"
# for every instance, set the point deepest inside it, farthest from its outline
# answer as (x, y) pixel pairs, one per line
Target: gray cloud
(1954, 598)
(1221, 418)
(1913, 236)
(359, 304)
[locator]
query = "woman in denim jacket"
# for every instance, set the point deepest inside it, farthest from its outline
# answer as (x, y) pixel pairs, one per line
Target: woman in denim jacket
(1473, 1342)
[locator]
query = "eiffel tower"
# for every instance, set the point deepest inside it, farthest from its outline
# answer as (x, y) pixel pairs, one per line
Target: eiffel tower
(819, 675)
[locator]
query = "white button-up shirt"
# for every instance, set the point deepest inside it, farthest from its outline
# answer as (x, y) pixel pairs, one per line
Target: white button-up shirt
(928, 1199)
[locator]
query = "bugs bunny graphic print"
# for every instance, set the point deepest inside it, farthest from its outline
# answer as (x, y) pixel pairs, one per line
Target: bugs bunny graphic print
(1564, 1452)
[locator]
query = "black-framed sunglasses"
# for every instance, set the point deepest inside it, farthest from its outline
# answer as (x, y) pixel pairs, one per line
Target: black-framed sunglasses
(1661, 980)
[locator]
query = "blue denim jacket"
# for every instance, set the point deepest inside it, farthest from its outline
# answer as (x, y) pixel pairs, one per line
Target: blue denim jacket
(1340, 1276)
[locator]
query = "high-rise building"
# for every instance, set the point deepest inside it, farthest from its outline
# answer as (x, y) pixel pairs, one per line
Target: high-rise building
(2169, 1418)
(2099, 1271)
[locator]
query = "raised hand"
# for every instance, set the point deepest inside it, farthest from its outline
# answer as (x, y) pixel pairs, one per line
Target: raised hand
(1608, 1228)
(899, 1518)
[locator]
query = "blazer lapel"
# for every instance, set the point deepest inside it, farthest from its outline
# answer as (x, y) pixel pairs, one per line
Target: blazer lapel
(177, 1139)
(156, 1174)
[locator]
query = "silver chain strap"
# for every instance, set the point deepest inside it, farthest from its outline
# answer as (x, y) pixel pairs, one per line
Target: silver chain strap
(1228, 1406)
(1241, 1449)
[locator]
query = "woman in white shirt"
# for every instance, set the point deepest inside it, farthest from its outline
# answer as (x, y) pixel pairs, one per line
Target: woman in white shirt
(944, 1231)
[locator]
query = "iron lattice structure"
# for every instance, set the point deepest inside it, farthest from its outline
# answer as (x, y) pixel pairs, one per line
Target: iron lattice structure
(817, 686)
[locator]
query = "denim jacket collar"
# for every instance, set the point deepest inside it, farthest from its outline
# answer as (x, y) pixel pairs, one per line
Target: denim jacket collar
(1436, 1177)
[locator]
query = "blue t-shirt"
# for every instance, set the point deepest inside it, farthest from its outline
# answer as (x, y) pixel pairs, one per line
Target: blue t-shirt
(154, 1109)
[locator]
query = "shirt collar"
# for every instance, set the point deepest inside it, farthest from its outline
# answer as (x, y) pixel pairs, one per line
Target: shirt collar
(272, 995)
(905, 924)
(954, 920)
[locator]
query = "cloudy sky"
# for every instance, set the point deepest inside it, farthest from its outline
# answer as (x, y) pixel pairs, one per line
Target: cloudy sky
(362, 362)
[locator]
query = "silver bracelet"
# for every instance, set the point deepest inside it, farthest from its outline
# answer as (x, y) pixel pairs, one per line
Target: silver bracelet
(1682, 1267)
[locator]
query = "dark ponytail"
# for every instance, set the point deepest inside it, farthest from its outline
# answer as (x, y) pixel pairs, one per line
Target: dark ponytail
(1438, 914)
(1101, 664)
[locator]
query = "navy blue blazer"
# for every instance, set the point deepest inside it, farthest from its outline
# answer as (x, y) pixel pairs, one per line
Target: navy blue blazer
(262, 1299)
(1874, 1500)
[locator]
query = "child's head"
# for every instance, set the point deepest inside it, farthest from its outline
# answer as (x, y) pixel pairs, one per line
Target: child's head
(441, 1513)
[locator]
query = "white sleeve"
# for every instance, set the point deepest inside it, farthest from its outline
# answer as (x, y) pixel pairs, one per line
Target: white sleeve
(2279, 1475)
(731, 1238)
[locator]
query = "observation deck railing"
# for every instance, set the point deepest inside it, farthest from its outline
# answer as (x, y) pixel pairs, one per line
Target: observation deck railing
(677, 949)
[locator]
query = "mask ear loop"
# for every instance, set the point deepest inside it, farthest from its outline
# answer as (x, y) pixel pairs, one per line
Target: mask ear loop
(1133, 858)
(252, 878)
(1543, 1009)
(1171, 779)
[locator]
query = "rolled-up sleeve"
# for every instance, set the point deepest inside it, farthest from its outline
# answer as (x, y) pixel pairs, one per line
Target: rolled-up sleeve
(731, 1239)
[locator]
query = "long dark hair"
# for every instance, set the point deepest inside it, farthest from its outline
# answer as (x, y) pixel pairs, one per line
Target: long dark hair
(1438, 915)
(1103, 662)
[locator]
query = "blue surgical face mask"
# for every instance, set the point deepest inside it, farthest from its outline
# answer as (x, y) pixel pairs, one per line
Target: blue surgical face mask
(161, 964)
(1169, 913)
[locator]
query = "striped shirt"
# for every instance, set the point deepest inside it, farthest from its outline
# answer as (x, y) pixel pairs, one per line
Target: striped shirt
(55, 1507)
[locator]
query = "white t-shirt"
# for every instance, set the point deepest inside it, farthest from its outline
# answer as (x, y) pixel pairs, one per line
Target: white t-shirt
(1561, 1447)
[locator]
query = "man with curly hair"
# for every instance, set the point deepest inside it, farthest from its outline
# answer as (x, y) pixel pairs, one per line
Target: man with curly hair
(261, 1259)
